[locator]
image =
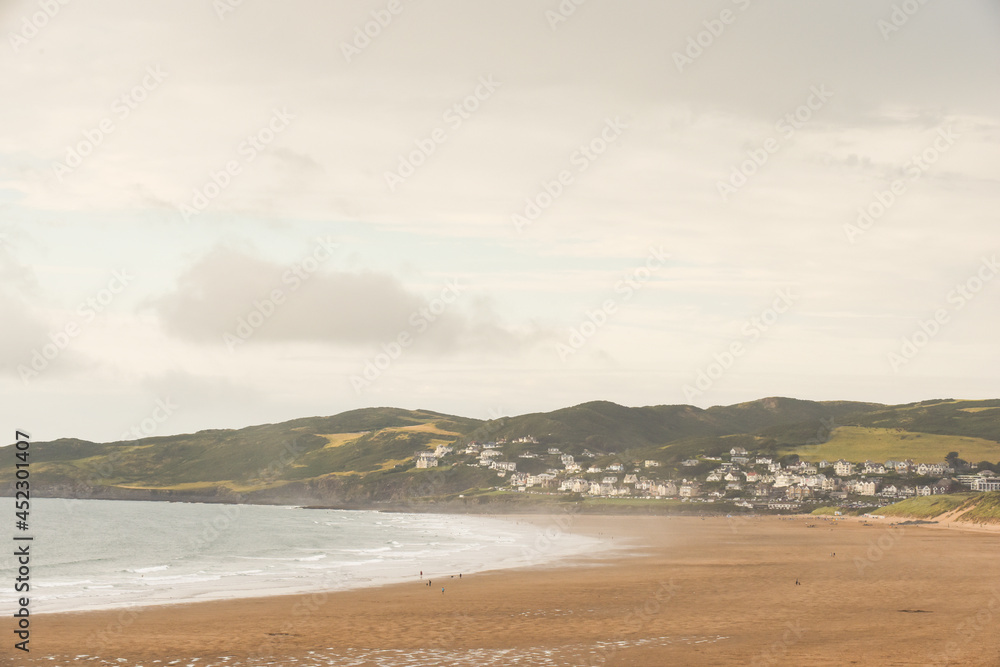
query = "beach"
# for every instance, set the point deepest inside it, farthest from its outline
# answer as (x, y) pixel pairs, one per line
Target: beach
(685, 591)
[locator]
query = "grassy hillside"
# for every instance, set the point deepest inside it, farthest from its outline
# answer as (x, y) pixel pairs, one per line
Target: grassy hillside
(927, 507)
(970, 507)
(368, 454)
(857, 443)
(983, 509)
(944, 417)
(255, 457)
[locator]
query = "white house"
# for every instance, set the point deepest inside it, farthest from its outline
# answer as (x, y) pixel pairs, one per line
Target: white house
(689, 489)
(426, 460)
(843, 468)
(865, 487)
(575, 485)
(986, 481)
(651, 464)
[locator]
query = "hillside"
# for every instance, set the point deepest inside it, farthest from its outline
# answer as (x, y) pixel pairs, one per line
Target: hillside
(368, 456)
(960, 507)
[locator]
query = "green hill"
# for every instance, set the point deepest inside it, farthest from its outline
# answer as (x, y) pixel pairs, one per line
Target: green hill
(966, 507)
(368, 456)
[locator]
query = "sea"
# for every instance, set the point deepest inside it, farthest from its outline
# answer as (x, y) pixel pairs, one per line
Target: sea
(102, 554)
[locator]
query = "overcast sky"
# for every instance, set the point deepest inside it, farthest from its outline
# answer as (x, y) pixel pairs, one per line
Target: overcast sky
(254, 211)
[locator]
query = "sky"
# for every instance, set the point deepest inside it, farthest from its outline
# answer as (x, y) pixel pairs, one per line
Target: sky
(222, 213)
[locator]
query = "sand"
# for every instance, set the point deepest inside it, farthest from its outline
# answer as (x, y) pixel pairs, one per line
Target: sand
(676, 591)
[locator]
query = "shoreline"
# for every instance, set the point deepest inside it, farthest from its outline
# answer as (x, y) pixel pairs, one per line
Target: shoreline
(518, 541)
(688, 590)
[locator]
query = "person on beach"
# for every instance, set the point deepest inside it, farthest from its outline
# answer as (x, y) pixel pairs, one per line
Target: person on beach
(442, 590)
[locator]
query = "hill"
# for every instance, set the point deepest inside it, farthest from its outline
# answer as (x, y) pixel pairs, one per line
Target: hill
(960, 507)
(368, 456)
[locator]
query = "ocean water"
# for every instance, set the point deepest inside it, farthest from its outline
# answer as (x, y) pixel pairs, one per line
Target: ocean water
(99, 554)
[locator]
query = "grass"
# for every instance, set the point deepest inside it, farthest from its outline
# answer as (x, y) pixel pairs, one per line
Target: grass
(927, 507)
(858, 443)
(985, 508)
(422, 428)
(338, 439)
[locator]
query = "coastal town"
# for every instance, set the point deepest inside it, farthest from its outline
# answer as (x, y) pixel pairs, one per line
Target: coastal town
(745, 479)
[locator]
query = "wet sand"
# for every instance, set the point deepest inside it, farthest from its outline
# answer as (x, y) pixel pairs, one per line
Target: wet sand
(690, 591)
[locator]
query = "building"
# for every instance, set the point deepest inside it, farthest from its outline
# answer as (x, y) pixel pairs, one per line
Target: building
(426, 460)
(778, 505)
(843, 468)
(986, 481)
(689, 489)
(575, 485)
(868, 487)
(651, 464)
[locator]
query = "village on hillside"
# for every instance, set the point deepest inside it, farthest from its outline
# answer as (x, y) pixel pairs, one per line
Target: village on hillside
(739, 477)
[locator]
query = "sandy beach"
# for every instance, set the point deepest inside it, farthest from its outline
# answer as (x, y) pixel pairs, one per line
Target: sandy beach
(684, 591)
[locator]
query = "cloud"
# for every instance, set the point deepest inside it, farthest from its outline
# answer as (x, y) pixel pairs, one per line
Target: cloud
(230, 289)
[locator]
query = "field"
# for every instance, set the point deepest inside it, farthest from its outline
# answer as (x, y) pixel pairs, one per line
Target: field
(879, 444)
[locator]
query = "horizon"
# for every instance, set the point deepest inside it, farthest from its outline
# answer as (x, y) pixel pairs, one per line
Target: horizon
(720, 202)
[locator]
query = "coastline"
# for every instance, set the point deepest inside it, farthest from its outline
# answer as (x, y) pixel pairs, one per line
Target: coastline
(695, 591)
(268, 551)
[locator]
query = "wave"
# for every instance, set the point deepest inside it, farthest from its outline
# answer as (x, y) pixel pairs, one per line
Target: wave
(154, 568)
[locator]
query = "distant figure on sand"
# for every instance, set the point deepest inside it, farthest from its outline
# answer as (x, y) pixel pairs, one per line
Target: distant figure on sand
(442, 590)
